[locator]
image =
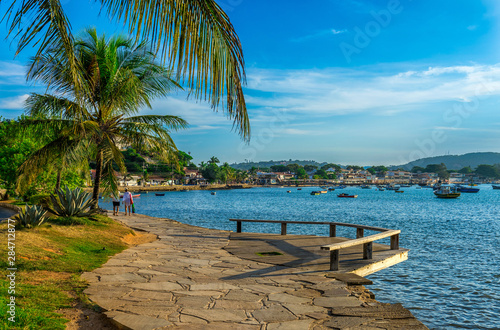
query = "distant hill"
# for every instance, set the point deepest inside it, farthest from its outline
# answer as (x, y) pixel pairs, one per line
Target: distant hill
(268, 164)
(456, 162)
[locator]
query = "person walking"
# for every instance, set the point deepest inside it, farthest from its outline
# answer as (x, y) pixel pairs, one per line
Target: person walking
(127, 201)
(116, 203)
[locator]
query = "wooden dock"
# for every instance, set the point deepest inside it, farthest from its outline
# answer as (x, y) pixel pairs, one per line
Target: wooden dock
(312, 254)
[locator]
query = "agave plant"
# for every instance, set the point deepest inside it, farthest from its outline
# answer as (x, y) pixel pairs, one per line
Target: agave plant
(31, 216)
(71, 203)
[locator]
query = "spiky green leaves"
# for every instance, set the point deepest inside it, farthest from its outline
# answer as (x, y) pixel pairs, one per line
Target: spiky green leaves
(31, 216)
(71, 203)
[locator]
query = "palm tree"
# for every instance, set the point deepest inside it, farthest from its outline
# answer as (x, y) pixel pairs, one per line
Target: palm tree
(195, 38)
(214, 160)
(120, 78)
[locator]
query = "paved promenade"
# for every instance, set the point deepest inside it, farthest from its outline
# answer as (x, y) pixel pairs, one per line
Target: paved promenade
(187, 280)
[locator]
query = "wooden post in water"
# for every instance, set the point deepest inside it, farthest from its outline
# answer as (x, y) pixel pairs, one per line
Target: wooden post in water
(334, 260)
(395, 242)
(333, 230)
(360, 232)
(283, 228)
(368, 250)
(238, 226)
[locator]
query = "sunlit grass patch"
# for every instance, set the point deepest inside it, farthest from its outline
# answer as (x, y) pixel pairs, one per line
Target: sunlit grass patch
(49, 260)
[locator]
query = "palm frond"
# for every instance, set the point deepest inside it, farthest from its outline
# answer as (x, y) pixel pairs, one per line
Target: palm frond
(200, 43)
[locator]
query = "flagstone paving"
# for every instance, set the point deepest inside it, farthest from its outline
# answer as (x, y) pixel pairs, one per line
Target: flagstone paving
(186, 280)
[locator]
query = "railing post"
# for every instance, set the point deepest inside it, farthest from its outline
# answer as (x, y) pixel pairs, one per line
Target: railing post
(395, 242)
(238, 226)
(334, 260)
(360, 232)
(283, 228)
(333, 230)
(368, 250)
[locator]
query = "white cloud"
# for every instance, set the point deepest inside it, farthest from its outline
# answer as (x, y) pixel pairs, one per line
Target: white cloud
(10, 69)
(13, 103)
(199, 115)
(340, 91)
(319, 34)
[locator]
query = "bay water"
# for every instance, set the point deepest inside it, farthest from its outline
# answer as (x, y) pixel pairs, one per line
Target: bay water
(452, 277)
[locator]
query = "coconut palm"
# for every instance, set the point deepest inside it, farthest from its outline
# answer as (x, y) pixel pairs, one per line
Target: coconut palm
(120, 78)
(195, 38)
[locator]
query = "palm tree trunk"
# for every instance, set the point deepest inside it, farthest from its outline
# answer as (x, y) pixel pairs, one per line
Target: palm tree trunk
(97, 179)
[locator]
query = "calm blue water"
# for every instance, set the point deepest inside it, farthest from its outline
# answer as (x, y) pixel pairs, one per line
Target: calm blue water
(452, 277)
(5, 213)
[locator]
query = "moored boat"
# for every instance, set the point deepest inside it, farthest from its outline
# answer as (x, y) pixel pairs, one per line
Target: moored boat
(314, 193)
(344, 195)
(399, 191)
(467, 189)
(495, 186)
(323, 191)
(160, 194)
(213, 193)
(446, 192)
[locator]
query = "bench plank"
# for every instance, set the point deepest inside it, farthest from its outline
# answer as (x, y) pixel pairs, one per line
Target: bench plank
(359, 241)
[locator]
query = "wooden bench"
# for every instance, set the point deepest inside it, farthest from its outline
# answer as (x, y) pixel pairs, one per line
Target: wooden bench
(367, 243)
(334, 249)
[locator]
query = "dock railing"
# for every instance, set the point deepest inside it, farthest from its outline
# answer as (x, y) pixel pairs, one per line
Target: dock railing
(335, 248)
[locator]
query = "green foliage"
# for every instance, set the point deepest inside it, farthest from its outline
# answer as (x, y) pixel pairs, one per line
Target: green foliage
(294, 168)
(355, 167)
(133, 161)
(31, 216)
(211, 172)
(439, 169)
(321, 174)
(487, 171)
(183, 158)
(39, 199)
(280, 168)
(465, 170)
(417, 169)
(15, 148)
(378, 169)
(301, 173)
(310, 168)
(71, 203)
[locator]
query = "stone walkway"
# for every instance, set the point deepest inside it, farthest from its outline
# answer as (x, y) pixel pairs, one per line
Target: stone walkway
(186, 280)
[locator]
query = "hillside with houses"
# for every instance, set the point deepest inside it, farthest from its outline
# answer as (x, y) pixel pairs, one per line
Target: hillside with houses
(145, 171)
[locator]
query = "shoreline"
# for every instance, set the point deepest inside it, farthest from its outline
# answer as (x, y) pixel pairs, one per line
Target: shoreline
(196, 260)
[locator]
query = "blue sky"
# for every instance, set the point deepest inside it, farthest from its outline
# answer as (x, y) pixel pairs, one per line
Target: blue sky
(352, 82)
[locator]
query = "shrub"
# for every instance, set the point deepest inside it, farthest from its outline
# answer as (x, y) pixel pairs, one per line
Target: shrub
(31, 216)
(39, 199)
(71, 203)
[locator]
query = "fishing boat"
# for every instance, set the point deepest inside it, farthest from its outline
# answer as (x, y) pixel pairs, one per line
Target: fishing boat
(495, 186)
(467, 189)
(399, 191)
(344, 195)
(323, 191)
(365, 186)
(133, 196)
(314, 193)
(159, 194)
(299, 188)
(381, 189)
(447, 192)
(331, 189)
(288, 191)
(213, 193)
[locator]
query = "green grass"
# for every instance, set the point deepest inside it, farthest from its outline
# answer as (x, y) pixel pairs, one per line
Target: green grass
(49, 260)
